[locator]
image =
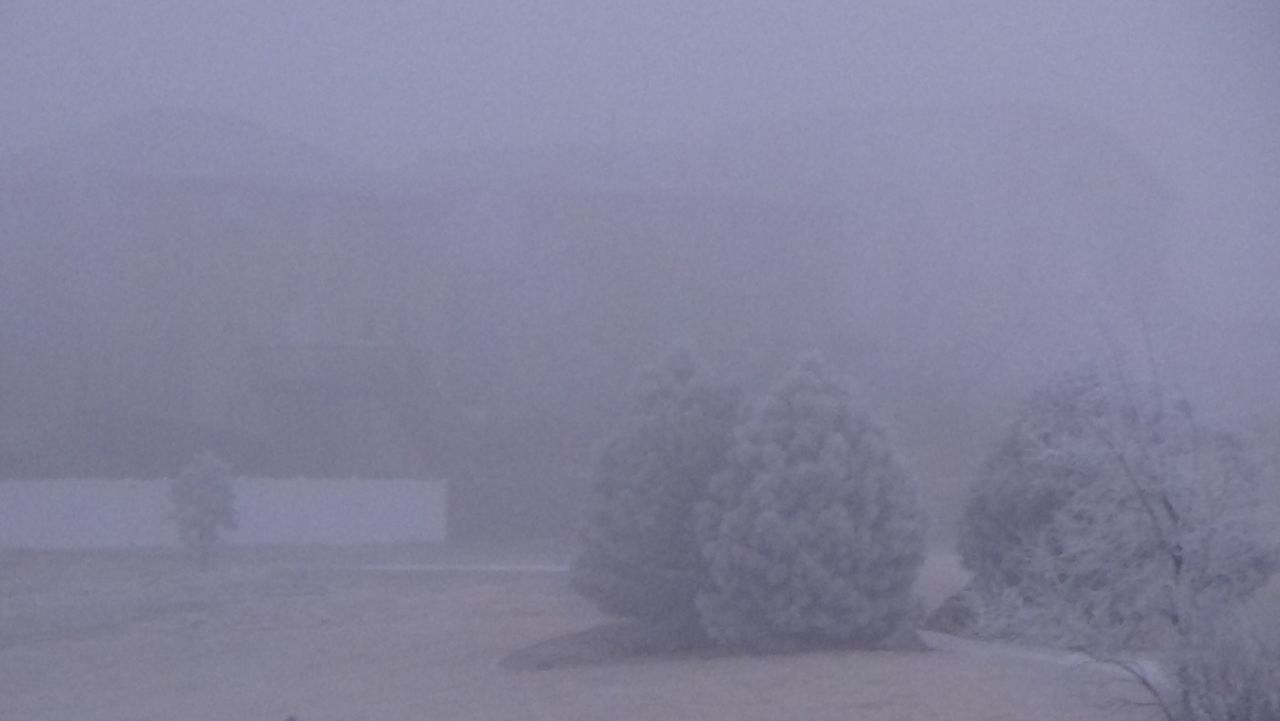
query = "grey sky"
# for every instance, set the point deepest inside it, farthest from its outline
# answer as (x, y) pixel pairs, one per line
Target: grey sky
(384, 80)
(1194, 84)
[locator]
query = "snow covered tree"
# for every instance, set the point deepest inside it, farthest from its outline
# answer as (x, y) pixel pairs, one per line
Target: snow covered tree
(203, 505)
(640, 558)
(812, 534)
(1106, 511)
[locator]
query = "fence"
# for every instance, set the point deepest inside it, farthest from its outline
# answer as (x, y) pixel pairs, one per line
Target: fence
(93, 513)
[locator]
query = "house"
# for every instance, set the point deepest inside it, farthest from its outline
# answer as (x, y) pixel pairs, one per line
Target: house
(477, 318)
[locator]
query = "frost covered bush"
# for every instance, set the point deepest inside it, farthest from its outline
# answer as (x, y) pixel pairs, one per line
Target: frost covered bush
(1219, 669)
(1106, 509)
(1223, 671)
(812, 534)
(640, 557)
(203, 505)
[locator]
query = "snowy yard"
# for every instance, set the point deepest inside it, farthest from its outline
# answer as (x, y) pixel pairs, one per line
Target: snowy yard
(415, 633)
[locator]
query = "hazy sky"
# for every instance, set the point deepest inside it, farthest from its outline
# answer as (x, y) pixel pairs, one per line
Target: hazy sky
(1195, 84)
(383, 80)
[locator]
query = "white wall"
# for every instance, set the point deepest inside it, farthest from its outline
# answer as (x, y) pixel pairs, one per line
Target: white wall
(84, 513)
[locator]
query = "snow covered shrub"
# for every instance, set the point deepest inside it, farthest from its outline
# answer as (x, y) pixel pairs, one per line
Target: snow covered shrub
(1223, 672)
(812, 533)
(203, 505)
(1219, 669)
(640, 557)
(1106, 507)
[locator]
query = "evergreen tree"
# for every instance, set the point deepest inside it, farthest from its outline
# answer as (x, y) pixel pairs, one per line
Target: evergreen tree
(812, 534)
(640, 557)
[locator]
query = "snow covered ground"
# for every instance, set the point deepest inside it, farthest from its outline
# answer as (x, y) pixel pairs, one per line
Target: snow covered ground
(373, 634)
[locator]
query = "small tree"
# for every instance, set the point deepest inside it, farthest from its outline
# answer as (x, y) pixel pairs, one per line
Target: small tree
(640, 557)
(1105, 513)
(812, 533)
(203, 505)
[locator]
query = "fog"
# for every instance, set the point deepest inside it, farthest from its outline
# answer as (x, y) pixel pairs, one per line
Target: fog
(434, 240)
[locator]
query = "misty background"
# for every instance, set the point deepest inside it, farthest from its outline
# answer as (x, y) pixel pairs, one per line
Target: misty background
(434, 240)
